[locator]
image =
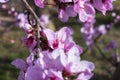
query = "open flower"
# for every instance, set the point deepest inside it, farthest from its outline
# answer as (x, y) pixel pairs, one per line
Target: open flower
(84, 9)
(103, 5)
(65, 12)
(58, 39)
(72, 64)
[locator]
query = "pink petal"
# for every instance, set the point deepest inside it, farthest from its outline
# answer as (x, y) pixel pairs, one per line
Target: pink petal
(83, 15)
(34, 73)
(84, 76)
(98, 4)
(63, 59)
(70, 11)
(19, 63)
(50, 37)
(55, 75)
(21, 76)
(86, 65)
(63, 34)
(63, 16)
(89, 9)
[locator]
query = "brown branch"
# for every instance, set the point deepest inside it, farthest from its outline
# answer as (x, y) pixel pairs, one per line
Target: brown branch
(116, 74)
(95, 40)
(33, 13)
(39, 26)
(102, 54)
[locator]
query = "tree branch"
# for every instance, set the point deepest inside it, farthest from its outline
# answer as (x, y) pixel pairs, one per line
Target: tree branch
(102, 54)
(39, 26)
(95, 41)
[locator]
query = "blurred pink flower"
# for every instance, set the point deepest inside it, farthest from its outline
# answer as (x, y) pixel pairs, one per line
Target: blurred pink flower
(29, 41)
(21, 19)
(39, 3)
(44, 19)
(3, 1)
(103, 5)
(12, 41)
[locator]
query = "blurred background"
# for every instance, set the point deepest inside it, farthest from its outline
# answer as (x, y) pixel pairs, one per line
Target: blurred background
(11, 46)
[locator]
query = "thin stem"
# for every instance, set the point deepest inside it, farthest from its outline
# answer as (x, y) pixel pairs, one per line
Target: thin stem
(39, 26)
(102, 54)
(32, 12)
(95, 41)
(97, 38)
(84, 51)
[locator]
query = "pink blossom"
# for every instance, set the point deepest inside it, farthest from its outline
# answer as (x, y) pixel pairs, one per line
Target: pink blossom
(21, 75)
(30, 59)
(72, 64)
(4, 6)
(113, 14)
(102, 29)
(29, 41)
(59, 38)
(51, 60)
(28, 28)
(55, 75)
(12, 41)
(21, 64)
(34, 73)
(88, 33)
(111, 46)
(66, 0)
(66, 12)
(3, 1)
(61, 61)
(85, 10)
(39, 3)
(44, 19)
(86, 75)
(103, 5)
(21, 19)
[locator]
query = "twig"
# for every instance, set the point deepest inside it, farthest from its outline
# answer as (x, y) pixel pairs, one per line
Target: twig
(84, 51)
(102, 54)
(116, 74)
(33, 13)
(95, 41)
(97, 38)
(39, 26)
